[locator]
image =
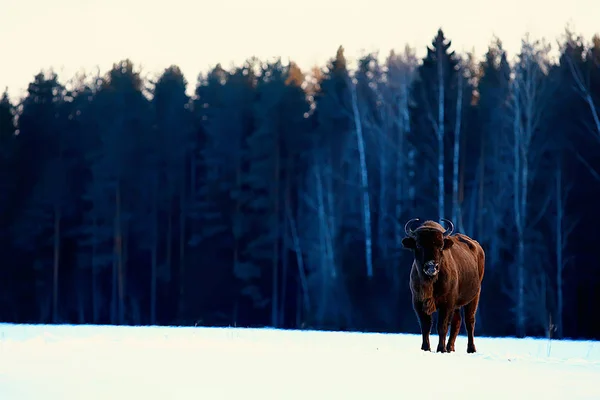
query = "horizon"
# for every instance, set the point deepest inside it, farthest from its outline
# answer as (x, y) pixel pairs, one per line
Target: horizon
(384, 27)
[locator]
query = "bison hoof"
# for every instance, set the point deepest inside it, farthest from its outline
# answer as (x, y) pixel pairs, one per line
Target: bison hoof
(425, 347)
(450, 348)
(471, 348)
(441, 349)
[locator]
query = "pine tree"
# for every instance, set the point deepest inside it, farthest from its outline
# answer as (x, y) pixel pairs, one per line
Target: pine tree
(115, 191)
(433, 122)
(43, 143)
(280, 110)
(168, 172)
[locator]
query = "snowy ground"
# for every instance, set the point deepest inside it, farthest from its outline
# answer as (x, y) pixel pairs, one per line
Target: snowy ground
(85, 362)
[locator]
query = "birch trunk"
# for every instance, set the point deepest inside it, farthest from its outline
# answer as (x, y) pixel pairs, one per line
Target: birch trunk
(440, 132)
(400, 164)
(299, 261)
(564, 227)
(481, 190)
(327, 266)
(383, 197)
(457, 136)
(585, 94)
(364, 179)
(559, 251)
(517, 186)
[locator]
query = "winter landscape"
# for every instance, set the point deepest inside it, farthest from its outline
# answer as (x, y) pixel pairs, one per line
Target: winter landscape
(216, 200)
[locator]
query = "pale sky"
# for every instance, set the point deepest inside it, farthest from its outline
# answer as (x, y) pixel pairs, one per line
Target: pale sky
(69, 35)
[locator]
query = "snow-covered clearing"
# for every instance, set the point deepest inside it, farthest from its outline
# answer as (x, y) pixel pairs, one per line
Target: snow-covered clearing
(44, 362)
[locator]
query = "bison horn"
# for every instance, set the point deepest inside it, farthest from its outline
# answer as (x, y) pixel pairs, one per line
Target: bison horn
(410, 232)
(450, 228)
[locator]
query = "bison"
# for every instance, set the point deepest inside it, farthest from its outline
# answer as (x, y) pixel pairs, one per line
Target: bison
(446, 274)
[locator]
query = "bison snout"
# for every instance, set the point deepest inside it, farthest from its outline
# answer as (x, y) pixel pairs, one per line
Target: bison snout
(431, 268)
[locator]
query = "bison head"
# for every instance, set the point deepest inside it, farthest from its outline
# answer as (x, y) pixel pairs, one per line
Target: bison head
(428, 243)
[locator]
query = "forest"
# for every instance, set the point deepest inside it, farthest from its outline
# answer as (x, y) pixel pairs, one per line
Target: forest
(277, 197)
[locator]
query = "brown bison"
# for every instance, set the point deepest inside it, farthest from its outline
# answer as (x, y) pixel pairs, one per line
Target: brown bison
(446, 275)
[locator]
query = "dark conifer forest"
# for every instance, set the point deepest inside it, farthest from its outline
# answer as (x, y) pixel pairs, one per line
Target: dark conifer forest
(277, 197)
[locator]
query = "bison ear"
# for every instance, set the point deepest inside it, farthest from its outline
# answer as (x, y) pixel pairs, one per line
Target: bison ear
(448, 243)
(409, 243)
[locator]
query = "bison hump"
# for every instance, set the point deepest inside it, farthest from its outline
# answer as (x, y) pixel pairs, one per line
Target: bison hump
(467, 241)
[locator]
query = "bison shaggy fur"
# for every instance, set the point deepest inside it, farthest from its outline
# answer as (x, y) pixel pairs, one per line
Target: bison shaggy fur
(446, 275)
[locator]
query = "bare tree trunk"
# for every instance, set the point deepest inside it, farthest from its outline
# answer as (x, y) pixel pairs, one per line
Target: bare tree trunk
(285, 245)
(472, 207)
(329, 218)
(299, 317)
(400, 171)
(559, 251)
(440, 132)
(400, 162)
(81, 301)
(154, 255)
(284, 275)
(299, 261)
(480, 232)
(119, 255)
(182, 245)
(327, 265)
(275, 265)
(585, 94)
(364, 179)
(57, 218)
(457, 137)
(520, 306)
(126, 237)
(564, 227)
(113, 299)
(169, 235)
(521, 232)
(236, 218)
(192, 183)
(95, 294)
(182, 272)
(382, 238)
(528, 112)
(114, 277)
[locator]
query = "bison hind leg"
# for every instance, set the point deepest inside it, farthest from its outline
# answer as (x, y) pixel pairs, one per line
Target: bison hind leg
(454, 330)
(470, 311)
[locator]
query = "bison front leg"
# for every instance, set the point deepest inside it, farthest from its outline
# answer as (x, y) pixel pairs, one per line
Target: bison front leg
(425, 323)
(444, 315)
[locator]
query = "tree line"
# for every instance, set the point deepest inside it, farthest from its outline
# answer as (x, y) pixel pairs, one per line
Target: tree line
(275, 197)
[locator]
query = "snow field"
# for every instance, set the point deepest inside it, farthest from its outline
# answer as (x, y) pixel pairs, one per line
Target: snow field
(103, 362)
